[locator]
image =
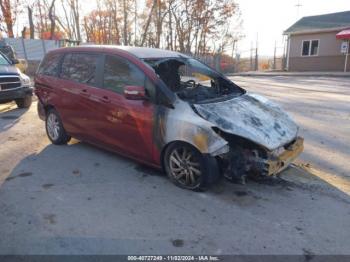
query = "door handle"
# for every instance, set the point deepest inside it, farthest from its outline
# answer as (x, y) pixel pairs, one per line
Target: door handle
(105, 99)
(84, 92)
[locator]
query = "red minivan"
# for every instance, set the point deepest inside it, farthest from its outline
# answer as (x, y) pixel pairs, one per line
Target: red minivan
(163, 109)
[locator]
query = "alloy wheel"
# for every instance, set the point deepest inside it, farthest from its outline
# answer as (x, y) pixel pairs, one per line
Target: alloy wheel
(53, 126)
(185, 167)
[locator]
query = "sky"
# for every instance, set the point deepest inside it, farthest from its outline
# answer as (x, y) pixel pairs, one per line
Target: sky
(267, 19)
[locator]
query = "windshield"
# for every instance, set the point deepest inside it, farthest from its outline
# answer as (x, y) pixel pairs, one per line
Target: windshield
(193, 81)
(3, 60)
(7, 51)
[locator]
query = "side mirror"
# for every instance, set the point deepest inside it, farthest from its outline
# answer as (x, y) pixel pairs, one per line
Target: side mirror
(15, 61)
(135, 93)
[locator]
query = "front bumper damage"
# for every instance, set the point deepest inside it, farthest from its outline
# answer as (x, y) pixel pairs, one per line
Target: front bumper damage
(278, 163)
(241, 162)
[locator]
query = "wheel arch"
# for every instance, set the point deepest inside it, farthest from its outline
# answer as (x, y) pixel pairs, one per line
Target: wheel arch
(43, 108)
(48, 107)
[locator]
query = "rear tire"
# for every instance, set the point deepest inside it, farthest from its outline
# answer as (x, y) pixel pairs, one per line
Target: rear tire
(24, 102)
(54, 128)
(187, 168)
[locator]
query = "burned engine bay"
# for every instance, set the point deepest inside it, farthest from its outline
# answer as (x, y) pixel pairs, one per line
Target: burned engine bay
(193, 81)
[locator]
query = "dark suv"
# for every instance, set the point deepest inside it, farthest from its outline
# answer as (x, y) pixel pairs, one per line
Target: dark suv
(163, 109)
(14, 85)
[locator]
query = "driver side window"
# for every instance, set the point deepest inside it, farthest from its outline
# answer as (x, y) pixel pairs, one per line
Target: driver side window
(119, 72)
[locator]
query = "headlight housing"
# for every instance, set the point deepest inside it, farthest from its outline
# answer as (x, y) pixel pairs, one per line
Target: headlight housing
(25, 80)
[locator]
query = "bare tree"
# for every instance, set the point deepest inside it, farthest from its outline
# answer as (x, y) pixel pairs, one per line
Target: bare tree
(125, 25)
(189, 26)
(74, 6)
(31, 23)
(145, 30)
(52, 19)
(9, 10)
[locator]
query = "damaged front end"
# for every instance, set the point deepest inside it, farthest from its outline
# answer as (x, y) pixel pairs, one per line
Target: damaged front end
(279, 161)
(262, 138)
(246, 133)
(246, 158)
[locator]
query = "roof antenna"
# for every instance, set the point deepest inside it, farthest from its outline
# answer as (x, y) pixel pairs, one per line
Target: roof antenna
(298, 6)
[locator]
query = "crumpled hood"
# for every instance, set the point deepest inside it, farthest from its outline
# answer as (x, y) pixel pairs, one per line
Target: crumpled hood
(253, 117)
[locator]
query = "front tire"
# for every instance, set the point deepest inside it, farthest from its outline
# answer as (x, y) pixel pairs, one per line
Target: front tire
(187, 168)
(25, 102)
(54, 128)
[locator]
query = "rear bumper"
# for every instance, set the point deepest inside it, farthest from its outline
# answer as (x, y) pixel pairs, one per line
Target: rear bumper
(17, 93)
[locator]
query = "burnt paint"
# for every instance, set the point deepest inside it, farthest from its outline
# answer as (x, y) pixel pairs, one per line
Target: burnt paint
(252, 117)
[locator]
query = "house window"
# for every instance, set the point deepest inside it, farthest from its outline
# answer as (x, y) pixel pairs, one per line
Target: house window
(314, 47)
(306, 48)
(310, 48)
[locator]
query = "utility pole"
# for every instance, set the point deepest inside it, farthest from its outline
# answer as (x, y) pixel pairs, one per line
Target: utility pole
(237, 69)
(346, 56)
(298, 6)
(235, 58)
(233, 46)
(284, 53)
(251, 56)
(274, 57)
(256, 54)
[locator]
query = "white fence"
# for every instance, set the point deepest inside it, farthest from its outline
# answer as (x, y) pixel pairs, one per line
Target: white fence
(31, 49)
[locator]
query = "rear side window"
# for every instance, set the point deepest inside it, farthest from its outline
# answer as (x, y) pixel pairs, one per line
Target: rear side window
(119, 72)
(80, 67)
(50, 65)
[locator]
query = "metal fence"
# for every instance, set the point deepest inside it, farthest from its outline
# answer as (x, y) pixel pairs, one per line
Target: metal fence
(31, 49)
(34, 50)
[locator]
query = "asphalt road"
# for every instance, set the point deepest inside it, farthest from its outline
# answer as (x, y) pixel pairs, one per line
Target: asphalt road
(78, 199)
